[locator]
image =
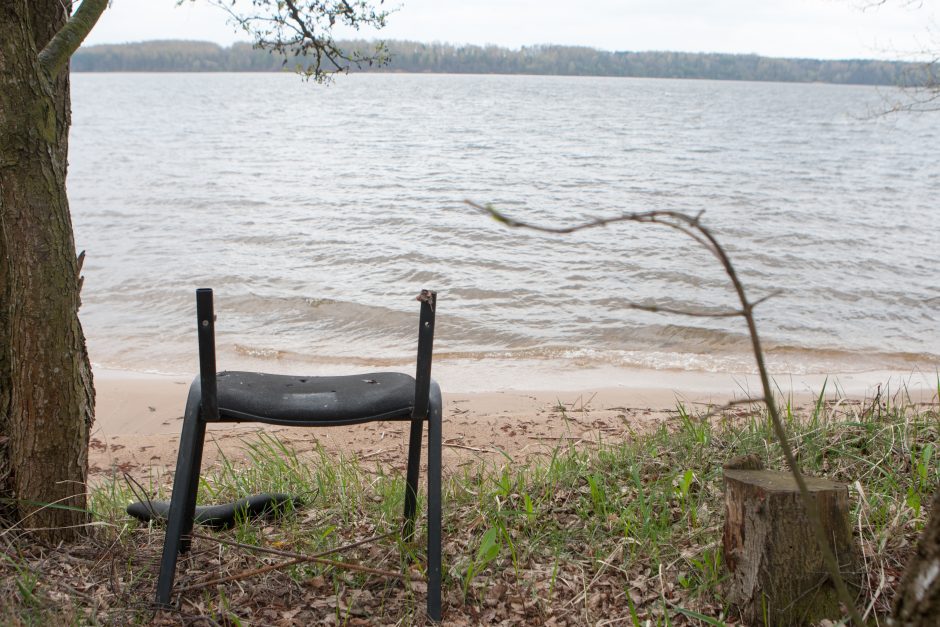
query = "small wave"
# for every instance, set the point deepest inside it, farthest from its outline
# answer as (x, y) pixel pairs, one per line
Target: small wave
(288, 358)
(894, 359)
(791, 360)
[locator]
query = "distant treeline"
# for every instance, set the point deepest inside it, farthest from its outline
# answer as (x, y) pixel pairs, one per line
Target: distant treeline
(409, 56)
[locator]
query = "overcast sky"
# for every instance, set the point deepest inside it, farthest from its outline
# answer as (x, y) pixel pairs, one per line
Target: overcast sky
(829, 29)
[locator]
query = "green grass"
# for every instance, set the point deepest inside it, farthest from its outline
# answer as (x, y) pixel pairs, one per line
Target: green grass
(628, 530)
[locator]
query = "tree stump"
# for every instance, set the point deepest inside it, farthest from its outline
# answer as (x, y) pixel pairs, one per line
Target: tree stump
(777, 574)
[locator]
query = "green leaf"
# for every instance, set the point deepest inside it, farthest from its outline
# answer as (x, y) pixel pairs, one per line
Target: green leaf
(489, 547)
(708, 620)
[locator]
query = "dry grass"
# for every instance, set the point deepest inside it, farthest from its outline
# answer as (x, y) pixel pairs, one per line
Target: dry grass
(623, 532)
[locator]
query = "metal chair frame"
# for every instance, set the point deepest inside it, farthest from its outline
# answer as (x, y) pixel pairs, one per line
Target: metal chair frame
(202, 408)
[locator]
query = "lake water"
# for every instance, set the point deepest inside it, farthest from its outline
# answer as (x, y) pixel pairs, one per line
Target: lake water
(318, 213)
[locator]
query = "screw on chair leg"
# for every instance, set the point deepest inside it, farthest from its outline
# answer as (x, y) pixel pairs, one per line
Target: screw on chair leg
(184, 483)
(411, 484)
(434, 503)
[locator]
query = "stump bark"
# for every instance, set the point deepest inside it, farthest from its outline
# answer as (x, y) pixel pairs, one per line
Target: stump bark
(776, 572)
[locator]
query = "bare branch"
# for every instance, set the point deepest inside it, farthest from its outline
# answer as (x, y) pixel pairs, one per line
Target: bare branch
(688, 231)
(302, 32)
(297, 559)
(925, 99)
(282, 553)
(731, 405)
(764, 299)
(57, 52)
(686, 312)
(679, 221)
(692, 226)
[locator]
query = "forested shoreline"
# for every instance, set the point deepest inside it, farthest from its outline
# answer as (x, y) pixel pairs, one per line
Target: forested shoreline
(409, 56)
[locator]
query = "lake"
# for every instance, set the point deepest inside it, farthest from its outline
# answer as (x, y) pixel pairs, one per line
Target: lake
(318, 213)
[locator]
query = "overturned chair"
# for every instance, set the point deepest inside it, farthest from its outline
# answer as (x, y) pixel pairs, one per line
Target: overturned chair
(309, 402)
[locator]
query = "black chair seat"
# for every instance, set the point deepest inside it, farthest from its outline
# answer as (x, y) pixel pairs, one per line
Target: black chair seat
(307, 402)
(314, 401)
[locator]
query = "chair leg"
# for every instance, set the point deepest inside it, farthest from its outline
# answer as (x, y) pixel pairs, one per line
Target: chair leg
(184, 492)
(435, 413)
(411, 484)
(189, 513)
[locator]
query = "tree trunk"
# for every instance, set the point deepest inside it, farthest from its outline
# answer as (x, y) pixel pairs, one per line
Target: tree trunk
(917, 602)
(46, 393)
(777, 575)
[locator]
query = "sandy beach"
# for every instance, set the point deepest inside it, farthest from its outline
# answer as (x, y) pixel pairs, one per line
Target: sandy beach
(139, 417)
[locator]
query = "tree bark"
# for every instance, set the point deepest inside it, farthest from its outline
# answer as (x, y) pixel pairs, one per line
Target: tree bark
(46, 392)
(776, 572)
(917, 603)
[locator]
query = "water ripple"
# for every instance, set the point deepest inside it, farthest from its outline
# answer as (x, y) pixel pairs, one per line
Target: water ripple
(318, 213)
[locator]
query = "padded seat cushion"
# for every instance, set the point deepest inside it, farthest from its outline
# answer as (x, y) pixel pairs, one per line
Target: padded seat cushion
(290, 400)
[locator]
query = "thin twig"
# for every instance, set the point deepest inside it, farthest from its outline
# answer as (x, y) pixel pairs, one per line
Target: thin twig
(766, 297)
(692, 227)
(469, 448)
(317, 559)
(282, 553)
(600, 571)
(142, 496)
(730, 405)
(686, 312)
(266, 569)
(373, 453)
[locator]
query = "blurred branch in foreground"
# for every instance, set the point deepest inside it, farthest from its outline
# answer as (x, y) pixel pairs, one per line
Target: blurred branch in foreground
(691, 226)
